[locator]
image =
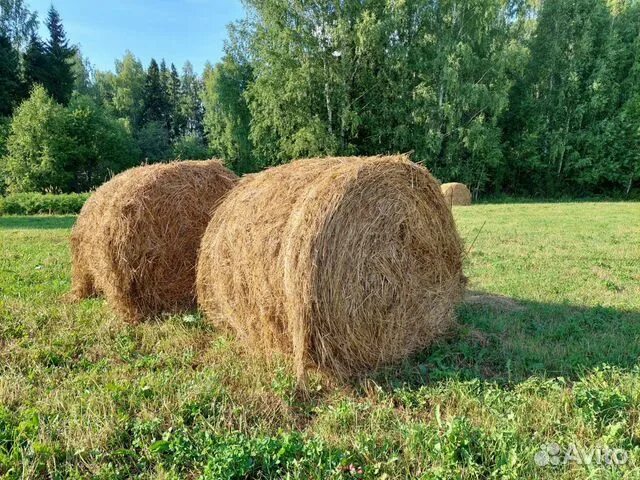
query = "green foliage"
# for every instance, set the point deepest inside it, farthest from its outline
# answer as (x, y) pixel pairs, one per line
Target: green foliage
(515, 97)
(17, 22)
(5, 127)
(176, 122)
(191, 107)
(156, 103)
(10, 82)
(503, 96)
(122, 92)
(38, 203)
(572, 126)
(226, 120)
(83, 75)
(57, 149)
(102, 145)
(383, 77)
(153, 141)
(59, 80)
(35, 63)
(38, 147)
(190, 147)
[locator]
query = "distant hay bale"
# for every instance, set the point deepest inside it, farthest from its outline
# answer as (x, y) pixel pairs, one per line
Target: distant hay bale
(456, 193)
(345, 264)
(136, 238)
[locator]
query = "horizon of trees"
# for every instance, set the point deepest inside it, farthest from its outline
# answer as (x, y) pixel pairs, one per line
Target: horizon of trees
(522, 97)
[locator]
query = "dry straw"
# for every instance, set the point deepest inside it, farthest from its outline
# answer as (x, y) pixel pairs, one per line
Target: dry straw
(456, 193)
(136, 239)
(345, 264)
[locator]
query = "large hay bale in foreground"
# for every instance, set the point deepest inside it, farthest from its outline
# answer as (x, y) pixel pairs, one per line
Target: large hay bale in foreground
(136, 238)
(456, 193)
(344, 263)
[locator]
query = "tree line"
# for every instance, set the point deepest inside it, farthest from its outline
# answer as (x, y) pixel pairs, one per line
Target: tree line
(521, 97)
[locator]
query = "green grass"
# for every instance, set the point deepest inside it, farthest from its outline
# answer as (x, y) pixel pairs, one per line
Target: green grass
(547, 351)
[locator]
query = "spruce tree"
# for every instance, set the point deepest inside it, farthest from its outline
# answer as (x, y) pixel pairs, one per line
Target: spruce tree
(177, 122)
(60, 57)
(35, 63)
(155, 99)
(10, 85)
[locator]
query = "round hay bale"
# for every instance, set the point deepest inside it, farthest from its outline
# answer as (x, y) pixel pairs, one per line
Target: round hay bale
(456, 193)
(136, 238)
(345, 264)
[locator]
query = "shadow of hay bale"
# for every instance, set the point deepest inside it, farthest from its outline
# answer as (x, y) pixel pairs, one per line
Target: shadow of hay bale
(507, 340)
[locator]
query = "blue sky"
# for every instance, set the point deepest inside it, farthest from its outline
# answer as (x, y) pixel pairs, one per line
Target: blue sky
(178, 30)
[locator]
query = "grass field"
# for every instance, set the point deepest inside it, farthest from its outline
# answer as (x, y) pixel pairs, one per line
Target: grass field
(547, 350)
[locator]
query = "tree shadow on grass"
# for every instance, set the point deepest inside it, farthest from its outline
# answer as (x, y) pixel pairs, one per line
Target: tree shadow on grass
(37, 222)
(506, 341)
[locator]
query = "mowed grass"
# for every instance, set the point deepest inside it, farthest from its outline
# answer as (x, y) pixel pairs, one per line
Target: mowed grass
(547, 350)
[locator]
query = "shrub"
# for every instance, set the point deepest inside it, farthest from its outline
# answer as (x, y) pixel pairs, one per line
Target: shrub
(62, 149)
(34, 203)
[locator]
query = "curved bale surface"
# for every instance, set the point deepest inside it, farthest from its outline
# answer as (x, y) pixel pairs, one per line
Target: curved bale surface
(344, 263)
(137, 237)
(456, 193)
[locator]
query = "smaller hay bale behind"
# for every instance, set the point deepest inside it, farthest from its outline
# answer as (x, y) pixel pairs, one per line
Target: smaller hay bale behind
(137, 237)
(345, 264)
(456, 193)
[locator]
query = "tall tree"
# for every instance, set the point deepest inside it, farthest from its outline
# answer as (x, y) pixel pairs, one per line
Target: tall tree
(17, 22)
(60, 56)
(176, 121)
(227, 117)
(35, 63)
(10, 84)
(155, 97)
(123, 93)
(191, 107)
(564, 130)
(373, 77)
(83, 74)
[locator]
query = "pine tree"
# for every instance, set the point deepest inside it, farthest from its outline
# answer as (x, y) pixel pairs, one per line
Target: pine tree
(10, 85)
(60, 57)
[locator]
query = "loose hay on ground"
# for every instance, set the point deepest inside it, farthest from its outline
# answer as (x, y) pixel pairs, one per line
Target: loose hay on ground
(137, 236)
(456, 193)
(344, 263)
